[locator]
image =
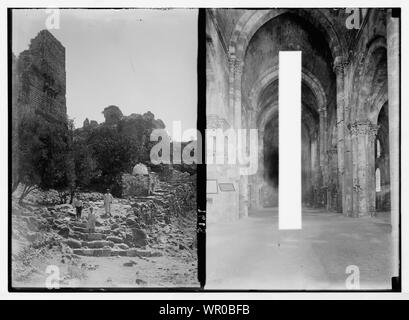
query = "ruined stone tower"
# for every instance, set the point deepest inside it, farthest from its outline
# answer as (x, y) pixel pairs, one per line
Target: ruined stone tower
(39, 84)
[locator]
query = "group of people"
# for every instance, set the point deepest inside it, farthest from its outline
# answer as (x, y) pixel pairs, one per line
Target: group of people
(91, 218)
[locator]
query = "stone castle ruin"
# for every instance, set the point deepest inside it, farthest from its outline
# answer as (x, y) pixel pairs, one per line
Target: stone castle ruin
(39, 78)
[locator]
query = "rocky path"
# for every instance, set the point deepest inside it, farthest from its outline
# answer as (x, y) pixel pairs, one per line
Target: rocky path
(147, 242)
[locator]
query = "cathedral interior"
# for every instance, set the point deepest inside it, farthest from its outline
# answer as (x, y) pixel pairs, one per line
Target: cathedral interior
(350, 108)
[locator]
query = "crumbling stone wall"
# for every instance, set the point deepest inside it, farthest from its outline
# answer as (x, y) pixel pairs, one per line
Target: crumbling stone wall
(38, 86)
(138, 185)
(40, 71)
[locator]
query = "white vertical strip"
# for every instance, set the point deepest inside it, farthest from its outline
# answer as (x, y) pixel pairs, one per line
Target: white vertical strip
(289, 102)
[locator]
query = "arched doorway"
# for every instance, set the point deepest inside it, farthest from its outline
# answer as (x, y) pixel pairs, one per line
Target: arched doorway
(382, 172)
(259, 96)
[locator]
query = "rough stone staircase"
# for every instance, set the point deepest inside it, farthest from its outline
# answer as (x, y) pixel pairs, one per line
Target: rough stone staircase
(105, 241)
(101, 243)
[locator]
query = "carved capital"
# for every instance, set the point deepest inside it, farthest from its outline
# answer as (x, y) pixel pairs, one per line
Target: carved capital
(231, 63)
(332, 151)
(216, 122)
(238, 66)
(364, 128)
(322, 111)
(340, 63)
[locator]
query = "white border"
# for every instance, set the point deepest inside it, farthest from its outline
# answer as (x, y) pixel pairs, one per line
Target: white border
(4, 294)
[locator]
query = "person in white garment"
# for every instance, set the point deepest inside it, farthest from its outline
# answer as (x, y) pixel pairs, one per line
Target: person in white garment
(107, 202)
(91, 220)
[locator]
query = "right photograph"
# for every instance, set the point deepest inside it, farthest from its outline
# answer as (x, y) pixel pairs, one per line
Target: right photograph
(303, 149)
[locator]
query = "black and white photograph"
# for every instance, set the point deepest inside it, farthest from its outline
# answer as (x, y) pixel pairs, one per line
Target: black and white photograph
(204, 154)
(94, 91)
(309, 198)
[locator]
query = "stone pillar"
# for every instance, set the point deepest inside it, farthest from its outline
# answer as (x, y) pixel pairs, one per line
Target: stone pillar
(371, 179)
(333, 187)
(315, 159)
(231, 90)
(260, 172)
(323, 153)
(339, 71)
(253, 192)
(243, 196)
(393, 43)
(238, 69)
(356, 189)
(363, 151)
(235, 68)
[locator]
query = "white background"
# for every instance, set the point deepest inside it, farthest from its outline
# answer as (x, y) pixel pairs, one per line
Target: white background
(4, 294)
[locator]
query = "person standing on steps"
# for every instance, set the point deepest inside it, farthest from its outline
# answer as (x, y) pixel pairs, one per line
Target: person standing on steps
(77, 203)
(91, 220)
(107, 202)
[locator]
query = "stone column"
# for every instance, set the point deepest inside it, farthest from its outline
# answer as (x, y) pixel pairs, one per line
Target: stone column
(348, 168)
(363, 140)
(356, 188)
(235, 67)
(333, 187)
(231, 90)
(339, 71)
(315, 159)
(252, 190)
(243, 196)
(393, 105)
(393, 43)
(371, 180)
(261, 171)
(323, 152)
(238, 69)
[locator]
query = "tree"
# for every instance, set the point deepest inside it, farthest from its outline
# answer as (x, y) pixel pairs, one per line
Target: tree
(112, 115)
(85, 164)
(138, 129)
(113, 153)
(44, 148)
(31, 154)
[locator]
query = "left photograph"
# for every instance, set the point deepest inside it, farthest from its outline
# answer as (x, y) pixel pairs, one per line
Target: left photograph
(102, 118)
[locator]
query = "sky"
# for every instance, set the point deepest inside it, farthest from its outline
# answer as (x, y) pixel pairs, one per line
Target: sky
(137, 59)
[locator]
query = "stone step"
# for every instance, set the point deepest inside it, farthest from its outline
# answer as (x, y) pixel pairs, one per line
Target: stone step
(79, 229)
(89, 236)
(143, 198)
(97, 244)
(93, 252)
(107, 252)
(78, 224)
(160, 192)
(114, 239)
(86, 231)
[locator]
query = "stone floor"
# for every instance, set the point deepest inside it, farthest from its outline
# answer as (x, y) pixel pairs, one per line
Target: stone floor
(253, 254)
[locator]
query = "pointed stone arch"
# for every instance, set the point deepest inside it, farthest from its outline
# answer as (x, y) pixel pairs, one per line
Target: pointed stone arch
(251, 21)
(270, 76)
(369, 95)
